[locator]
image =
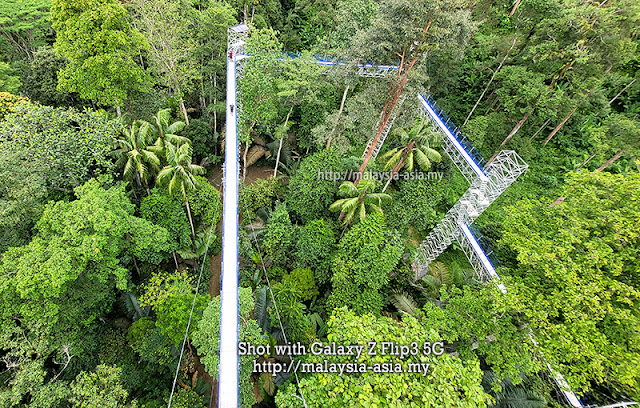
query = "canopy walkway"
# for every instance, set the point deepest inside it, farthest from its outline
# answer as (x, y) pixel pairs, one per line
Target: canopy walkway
(487, 183)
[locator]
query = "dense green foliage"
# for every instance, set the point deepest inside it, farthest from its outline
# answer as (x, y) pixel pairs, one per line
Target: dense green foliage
(100, 48)
(366, 255)
(584, 250)
(72, 146)
(309, 195)
(448, 382)
(22, 195)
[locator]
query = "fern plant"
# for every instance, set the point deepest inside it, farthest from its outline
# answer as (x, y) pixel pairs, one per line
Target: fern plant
(508, 395)
(131, 304)
(403, 301)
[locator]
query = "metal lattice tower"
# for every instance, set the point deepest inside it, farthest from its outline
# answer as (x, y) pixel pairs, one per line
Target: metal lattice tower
(236, 40)
(500, 174)
(486, 185)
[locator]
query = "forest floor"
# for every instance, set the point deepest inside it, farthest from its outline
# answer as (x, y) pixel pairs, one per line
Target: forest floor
(216, 179)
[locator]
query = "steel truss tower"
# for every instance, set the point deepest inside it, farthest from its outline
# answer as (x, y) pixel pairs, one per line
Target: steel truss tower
(487, 182)
(486, 186)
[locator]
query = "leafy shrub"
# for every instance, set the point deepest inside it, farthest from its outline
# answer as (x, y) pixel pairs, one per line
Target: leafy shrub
(414, 205)
(187, 398)
(260, 194)
(303, 280)
(163, 210)
(278, 238)
(40, 78)
(138, 331)
(171, 297)
(102, 388)
(309, 197)
(292, 313)
(8, 102)
(22, 198)
(205, 203)
(73, 146)
(315, 242)
(203, 138)
(366, 255)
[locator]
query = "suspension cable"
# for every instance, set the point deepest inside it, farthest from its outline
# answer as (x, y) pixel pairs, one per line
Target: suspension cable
(193, 304)
(273, 299)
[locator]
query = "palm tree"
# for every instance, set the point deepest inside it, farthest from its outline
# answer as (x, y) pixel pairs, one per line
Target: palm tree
(179, 174)
(140, 161)
(414, 148)
(166, 132)
(359, 201)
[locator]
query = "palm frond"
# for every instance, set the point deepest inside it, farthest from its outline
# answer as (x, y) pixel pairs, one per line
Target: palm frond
(402, 301)
(395, 159)
(388, 154)
(349, 204)
(175, 127)
(347, 189)
(362, 211)
(408, 161)
(432, 154)
(422, 160)
(373, 208)
(440, 271)
(378, 198)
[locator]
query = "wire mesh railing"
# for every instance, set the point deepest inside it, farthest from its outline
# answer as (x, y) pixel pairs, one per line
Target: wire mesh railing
(457, 133)
(486, 248)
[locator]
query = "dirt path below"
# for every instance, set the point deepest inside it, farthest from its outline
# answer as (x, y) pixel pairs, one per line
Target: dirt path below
(253, 173)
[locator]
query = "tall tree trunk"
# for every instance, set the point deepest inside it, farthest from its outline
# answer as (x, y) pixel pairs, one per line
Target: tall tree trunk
(193, 234)
(335, 125)
(516, 127)
(515, 38)
(392, 100)
(560, 125)
(623, 89)
(135, 263)
(330, 32)
(387, 112)
(612, 159)
(118, 111)
(175, 259)
(193, 231)
(492, 105)
(184, 112)
(586, 161)
(546, 122)
(244, 160)
(511, 134)
(286, 121)
(399, 164)
(515, 7)
(215, 101)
